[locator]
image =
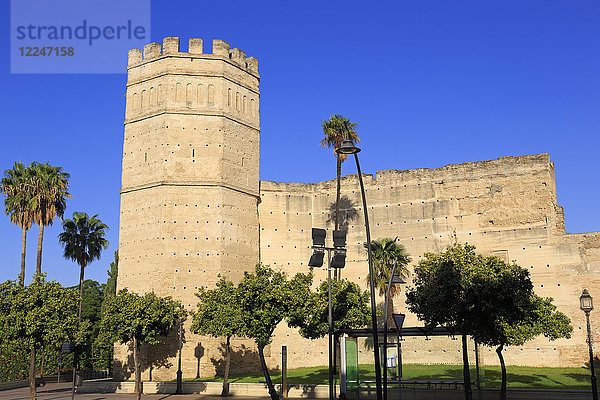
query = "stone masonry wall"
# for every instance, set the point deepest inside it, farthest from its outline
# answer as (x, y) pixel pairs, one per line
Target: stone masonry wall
(192, 208)
(506, 207)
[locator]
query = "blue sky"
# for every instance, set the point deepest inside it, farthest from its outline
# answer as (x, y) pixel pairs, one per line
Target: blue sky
(431, 83)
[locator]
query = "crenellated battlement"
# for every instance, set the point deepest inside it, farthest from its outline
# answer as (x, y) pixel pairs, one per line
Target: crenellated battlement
(170, 48)
(472, 170)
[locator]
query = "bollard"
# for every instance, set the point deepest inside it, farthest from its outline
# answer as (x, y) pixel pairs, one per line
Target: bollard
(284, 387)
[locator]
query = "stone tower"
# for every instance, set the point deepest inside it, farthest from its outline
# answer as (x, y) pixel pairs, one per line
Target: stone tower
(190, 185)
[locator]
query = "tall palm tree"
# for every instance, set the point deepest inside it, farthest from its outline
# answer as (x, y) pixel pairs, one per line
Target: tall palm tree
(385, 251)
(336, 129)
(17, 204)
(49, 187)
(83, 240)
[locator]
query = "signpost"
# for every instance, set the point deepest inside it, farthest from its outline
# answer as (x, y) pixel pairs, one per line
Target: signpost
(399, 321)
(284, 388)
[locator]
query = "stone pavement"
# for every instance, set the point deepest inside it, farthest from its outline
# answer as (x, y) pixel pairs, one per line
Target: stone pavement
(62, 391)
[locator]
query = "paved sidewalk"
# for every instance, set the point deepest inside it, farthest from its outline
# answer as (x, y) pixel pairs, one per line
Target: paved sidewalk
(62, 391)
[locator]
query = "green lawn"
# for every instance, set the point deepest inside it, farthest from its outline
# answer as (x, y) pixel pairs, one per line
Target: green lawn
(518, 377)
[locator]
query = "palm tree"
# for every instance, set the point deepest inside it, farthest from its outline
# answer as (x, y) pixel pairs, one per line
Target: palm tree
(385, 251)
(83, 240)
(49, 189)
(336, 129)
(17, 204)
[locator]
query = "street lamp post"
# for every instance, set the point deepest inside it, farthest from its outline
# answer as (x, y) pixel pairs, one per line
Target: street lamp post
(348, 147)
(586, 304)
(393, 280)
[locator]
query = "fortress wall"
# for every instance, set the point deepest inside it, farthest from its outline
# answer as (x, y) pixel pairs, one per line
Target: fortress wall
(189, 212)
(506, 207)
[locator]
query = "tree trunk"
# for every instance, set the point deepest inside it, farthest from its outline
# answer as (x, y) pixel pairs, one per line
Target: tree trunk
(338, 272)
(225, 391)
(466, 371)
(32, 391)
(137, 368)
(390, 314)
(272, 392)
(42, 380)
(503, 366)
(81, 289)
(23, 244)
(38, 266)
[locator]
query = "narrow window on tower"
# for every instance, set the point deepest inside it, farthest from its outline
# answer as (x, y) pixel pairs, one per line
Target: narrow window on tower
(211, 94)
(229, 97)
(179, 95)
(193, 153)
(189, 96)
(145, 157)
(200, 95)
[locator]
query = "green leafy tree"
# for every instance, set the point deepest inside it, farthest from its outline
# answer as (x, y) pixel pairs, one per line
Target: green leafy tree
(336, 129)
(385, 251)
(265, 298)
(219, 316)
(133, 319)
(350, 309)
(42, 314)
(110, 289)
(505, 310)
(438, 297)
(91, 315)
(485, 297)
(103, 345)
(49, 193)
(83, 241)
(17, 204)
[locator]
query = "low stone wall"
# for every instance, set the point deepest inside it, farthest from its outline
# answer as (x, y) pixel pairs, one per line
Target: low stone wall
(207, 388)
(14, 384)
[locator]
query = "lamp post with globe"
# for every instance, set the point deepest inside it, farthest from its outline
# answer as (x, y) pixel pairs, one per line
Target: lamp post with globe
(586, 304)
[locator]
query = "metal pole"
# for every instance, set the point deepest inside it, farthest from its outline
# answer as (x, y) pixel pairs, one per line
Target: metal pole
(330, 319)
(179, 389)
(73, 386)
(399, 369)
(284, 388)
(385, 329)
(589, 340)
(371, 284)
(477, 371)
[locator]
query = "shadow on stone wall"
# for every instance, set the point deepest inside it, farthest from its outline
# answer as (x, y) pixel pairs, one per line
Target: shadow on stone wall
(596, 364)
(348, 213)
(198, 353)
(151, 357)
(243, 359)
